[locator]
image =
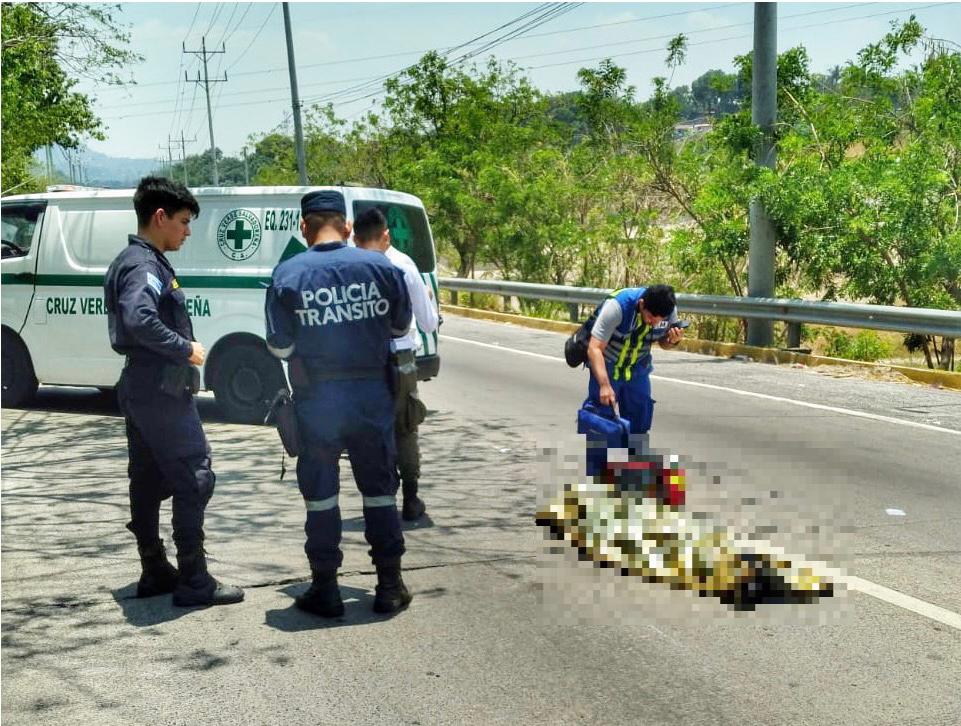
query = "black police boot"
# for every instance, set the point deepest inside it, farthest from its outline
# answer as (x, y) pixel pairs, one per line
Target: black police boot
(413, 507)
(323, 596)
(158, 576)
(391, 593)
(197, 588)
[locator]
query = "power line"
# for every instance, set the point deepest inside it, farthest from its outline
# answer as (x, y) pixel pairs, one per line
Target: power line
(540, 10)
(543, 13)
(342, 101)
(254, 39)
(737, 37)
(239, 22)
(251, 91)
(688, 33)
(636, 20)
(658, 49)
(213, 18)
(422, 51)
(233, 12)
(203, 53)
(193, 102)
(193, 20)
(552, 14)
(174, 117)
(178, 105)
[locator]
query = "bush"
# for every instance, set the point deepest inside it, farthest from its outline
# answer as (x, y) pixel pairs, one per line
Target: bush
(866, 345)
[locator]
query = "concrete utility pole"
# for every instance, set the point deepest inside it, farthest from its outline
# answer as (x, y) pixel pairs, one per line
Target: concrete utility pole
(183, 153)
(760, 274)
(165, 161)
(295, 100)
(246, 169)
(205, 54)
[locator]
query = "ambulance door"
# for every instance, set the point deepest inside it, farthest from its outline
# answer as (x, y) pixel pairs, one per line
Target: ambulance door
(67, 325)
(21, 224)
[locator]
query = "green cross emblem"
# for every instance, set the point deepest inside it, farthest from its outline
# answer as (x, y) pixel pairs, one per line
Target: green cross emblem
(400, 231)
(239, 234)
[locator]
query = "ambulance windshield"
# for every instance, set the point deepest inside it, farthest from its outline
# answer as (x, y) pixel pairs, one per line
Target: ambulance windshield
(409, 231)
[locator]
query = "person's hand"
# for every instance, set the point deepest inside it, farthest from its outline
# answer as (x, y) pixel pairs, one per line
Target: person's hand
(674, 336)
(607, 395)
(197, 353)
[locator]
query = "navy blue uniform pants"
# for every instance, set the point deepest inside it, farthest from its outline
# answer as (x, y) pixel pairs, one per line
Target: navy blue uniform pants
(168, 458)
(356, 415)
(634, 403)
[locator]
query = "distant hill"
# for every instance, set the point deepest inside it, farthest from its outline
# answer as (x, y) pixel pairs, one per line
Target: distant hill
(101, 170)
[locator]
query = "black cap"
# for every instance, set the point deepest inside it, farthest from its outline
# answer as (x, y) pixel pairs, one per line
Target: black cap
(323, 201)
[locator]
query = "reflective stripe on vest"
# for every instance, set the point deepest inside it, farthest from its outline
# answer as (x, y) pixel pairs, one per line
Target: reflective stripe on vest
(637, 349)
(627, 358)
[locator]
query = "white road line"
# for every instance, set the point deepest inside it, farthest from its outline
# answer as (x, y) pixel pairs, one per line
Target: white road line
(899, 599)
(739, 392)
(926, 609)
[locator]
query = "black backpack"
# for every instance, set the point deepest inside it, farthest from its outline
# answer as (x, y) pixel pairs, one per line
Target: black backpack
(575, 347)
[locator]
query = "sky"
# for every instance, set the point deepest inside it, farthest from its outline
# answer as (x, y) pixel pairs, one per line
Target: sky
(343, 49)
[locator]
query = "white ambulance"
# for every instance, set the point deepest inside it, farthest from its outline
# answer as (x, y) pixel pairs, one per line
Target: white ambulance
(57, 246)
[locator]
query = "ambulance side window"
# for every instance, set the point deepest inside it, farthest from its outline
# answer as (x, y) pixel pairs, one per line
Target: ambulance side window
(18, 224)
(93, 237)
(409, 230)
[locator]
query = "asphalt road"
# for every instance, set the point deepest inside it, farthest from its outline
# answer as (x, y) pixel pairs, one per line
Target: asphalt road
(505, 628)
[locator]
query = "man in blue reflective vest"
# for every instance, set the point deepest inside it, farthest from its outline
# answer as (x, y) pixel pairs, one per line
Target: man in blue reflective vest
(332, 311)
(619, 352)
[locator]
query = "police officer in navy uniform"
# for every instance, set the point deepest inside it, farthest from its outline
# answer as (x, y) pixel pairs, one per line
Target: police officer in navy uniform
(331, 312)
(168, 452)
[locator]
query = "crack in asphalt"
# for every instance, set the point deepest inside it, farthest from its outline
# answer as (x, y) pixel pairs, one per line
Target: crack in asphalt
(37, 608)
(416, 568)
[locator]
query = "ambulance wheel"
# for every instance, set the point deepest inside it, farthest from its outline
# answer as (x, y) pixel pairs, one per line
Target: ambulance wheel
(246, 381)
(19, 381)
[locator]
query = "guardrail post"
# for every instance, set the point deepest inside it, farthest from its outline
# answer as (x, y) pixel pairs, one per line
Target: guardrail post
(453, 297)
(575, 311)
(508, 304)
(793, 335)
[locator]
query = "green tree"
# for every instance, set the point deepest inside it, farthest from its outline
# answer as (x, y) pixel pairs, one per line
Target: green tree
(716, 93)
(606, 101)
(868, 194)
(273, 161)
(46, 48)
(449, 127)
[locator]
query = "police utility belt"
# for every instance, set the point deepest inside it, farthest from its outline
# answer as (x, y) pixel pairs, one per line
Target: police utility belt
(281, 413)
(176, 379)
(302, 373)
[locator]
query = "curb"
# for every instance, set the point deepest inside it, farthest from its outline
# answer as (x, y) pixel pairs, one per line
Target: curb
(943, 379)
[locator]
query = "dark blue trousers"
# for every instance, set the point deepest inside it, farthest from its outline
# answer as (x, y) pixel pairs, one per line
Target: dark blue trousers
(356, 415)
(634, 403)
(168, 457)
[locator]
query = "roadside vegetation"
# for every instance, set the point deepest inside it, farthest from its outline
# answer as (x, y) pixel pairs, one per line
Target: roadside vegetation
(607, 186)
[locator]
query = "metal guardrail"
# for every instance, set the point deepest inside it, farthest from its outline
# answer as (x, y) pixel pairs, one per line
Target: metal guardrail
(946, 323)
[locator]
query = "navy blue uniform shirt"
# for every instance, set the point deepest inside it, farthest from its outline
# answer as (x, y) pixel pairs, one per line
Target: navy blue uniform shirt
(146, 309)
(337, 307)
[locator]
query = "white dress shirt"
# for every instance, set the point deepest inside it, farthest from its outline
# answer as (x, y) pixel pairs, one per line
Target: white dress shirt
(422, 305)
